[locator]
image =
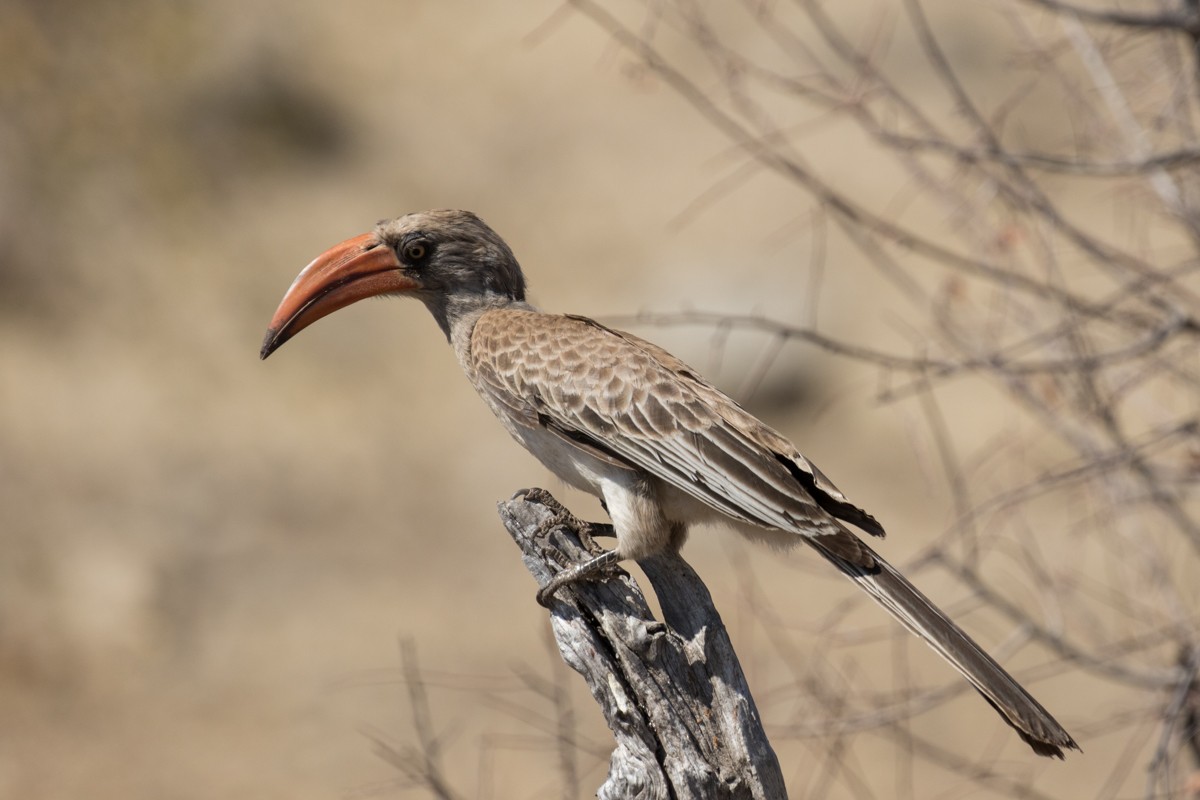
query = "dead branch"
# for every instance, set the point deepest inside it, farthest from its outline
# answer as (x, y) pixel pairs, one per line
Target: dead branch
(672, 691)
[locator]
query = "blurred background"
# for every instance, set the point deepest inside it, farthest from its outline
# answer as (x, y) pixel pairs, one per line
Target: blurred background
(210, 564)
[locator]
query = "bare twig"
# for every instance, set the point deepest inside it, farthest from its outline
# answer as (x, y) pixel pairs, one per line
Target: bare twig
(1186, 20)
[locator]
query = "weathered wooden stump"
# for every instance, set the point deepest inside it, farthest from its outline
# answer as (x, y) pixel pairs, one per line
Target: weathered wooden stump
(672, 691)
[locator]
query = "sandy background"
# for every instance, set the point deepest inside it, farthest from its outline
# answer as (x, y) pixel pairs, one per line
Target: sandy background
(209, 561)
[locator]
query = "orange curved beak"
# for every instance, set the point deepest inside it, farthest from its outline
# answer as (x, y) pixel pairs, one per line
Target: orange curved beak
(344, 274)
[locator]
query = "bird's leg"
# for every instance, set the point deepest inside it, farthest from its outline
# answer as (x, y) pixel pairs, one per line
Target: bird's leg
(605, 562)
(561, 516)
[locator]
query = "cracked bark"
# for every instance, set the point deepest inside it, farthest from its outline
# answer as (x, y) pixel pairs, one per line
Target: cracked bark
(672, 691)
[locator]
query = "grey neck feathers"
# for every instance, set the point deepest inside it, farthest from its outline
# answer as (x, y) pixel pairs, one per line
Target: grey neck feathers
(456, 315)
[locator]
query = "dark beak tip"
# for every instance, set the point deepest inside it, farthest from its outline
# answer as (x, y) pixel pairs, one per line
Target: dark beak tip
(270, 344)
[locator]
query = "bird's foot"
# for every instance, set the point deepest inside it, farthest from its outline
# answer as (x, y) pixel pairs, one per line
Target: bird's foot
(603, 565)
(603, 562)
(561, 516)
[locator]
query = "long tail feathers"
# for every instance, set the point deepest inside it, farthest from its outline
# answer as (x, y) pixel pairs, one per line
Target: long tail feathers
(890, 589)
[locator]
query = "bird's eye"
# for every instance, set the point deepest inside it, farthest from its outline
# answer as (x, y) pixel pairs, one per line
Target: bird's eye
(416, 250)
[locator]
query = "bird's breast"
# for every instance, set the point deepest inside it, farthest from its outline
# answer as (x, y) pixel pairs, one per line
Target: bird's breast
(575, 467)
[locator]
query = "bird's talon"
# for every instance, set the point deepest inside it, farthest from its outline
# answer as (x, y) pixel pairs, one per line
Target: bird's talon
(601, 567)
(562, 559)
(559, 515)
(545, 597)
(542, 497)
(589, 531)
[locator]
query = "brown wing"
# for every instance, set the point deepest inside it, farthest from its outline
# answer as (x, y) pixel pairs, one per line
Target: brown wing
(615, 394)
(611, 391)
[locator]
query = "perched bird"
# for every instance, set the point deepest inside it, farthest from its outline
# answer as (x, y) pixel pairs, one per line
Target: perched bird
(619, 417)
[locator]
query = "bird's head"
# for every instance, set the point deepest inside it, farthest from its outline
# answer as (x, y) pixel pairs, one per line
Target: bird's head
(450, 260)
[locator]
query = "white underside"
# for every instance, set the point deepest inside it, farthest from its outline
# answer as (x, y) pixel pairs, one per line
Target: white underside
(647, 513)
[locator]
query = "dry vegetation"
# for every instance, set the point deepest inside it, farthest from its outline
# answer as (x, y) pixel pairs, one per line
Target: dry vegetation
(950, 249)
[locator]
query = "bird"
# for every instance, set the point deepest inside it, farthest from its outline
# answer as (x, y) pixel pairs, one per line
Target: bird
(622, 419)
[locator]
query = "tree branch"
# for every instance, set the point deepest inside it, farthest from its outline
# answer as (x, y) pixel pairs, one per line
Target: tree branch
(672, 692)
(1185, 20)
